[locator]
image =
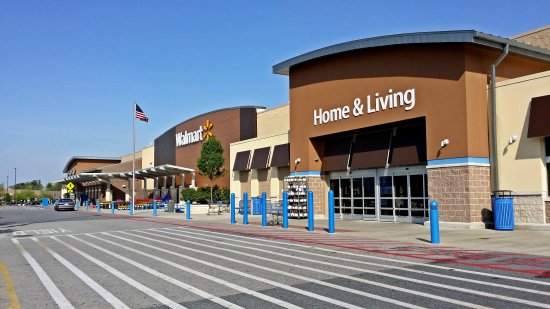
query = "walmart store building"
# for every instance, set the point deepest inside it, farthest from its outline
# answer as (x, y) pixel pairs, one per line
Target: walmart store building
(391, 122)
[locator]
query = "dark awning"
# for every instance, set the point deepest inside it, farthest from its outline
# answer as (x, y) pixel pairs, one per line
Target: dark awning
(241, 161)
(409, 146)
(371, 150)
(336, 154)
(539, 117)
(260, 158)
(281, 155)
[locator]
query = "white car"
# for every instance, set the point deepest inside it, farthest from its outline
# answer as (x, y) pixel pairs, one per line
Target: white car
(64, 203)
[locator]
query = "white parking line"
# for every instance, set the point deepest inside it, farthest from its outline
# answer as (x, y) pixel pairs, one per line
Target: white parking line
(283, 245)
(271, 282)
(206, 276)
(248, 247)
(153, 272)
(337, 275)
(110, 298)
(120, 275)
(56, 294)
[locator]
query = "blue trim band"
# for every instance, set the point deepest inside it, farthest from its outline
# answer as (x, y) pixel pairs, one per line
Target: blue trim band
(306, 173)
(463, 160)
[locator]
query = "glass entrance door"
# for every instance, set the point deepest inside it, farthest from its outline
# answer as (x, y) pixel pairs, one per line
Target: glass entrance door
(396, 195)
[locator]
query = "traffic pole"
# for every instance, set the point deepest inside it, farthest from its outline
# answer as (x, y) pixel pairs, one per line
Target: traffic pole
(331, 212)
(245, 208)
(285, 210)
(154, 208)
(112, 207)
(434, 222)
(188, 210)
(310, 224)
(264, 209)
(232, 208)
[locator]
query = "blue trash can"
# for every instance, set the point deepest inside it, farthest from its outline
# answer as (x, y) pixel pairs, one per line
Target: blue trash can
(256, 206)
(503, 210)
(45, 201)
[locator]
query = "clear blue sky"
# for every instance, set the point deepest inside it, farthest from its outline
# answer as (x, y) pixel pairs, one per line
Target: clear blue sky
(71, 70)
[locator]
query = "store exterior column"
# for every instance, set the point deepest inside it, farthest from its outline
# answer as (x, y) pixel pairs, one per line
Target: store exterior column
(192, 180)
(108, 192)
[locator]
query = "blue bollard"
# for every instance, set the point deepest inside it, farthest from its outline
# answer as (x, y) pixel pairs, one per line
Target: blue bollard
(434, 222)
(131, 208)
(264, 209)
(331, 212)
(310, 226)
(188, 210)
(232, 208)
(245, 208)
(285, 210)
(77, 204)
(112, 207)
(86, 205)
(155, 208)
(98, 203)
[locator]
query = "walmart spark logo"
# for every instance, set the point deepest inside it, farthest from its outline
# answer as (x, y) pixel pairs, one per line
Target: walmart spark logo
(206, 130)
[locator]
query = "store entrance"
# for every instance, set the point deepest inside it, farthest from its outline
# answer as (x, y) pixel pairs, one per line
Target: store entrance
(393, 194)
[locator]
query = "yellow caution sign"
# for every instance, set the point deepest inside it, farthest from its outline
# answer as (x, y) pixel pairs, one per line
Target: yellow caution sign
(70, 187)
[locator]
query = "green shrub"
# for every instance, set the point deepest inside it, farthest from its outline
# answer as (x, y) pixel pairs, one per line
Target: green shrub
(202, 195)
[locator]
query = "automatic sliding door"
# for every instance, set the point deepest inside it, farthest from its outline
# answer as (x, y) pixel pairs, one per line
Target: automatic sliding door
(402, 210)
(335, 187)
(386, 198)
(369, 192)
(345, 200)
(419, 198)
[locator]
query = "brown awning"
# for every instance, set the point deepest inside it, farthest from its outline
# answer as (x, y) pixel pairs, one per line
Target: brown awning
(335, 157)
(539, 117)
(241, 161)
(259, 158)
(281, 155)
(371, 150)
(409, 146)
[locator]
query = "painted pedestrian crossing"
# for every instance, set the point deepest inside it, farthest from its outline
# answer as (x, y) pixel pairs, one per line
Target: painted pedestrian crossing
(184, 267)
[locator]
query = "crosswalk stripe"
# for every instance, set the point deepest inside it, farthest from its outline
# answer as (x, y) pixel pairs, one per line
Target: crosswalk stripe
(271, 282)
(54, 291)
(370, 282)
(287, 244)
(357, 262)
(182, 285)
(206, 276)
(164, 300)
(110, 298)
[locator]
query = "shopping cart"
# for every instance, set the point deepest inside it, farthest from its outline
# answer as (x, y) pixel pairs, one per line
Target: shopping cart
(276, 212)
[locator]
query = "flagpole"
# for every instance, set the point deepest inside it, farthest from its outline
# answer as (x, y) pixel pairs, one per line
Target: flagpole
(134, 159)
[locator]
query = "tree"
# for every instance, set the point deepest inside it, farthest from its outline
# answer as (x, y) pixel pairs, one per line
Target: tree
(210, 162)
(53, 186)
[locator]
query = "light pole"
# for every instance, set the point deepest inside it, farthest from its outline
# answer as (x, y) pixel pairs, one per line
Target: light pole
(7, 189)
(15, 186)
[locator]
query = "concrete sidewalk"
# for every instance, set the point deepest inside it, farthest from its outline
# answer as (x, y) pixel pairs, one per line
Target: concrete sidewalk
(531, 242)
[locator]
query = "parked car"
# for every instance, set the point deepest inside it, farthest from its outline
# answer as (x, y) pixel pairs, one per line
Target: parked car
(64, 203)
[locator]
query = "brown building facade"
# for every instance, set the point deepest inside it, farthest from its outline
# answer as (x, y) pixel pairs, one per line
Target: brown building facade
(390, 122)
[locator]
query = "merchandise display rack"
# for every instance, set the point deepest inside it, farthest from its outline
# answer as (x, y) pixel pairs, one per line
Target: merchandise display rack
(296, 186)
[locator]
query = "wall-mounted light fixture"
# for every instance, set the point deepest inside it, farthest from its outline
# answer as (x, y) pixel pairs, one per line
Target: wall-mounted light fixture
(512, 139)
(444, 143)
(297, 161)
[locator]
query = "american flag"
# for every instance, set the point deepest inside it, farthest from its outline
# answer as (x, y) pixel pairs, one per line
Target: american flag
(140, 115)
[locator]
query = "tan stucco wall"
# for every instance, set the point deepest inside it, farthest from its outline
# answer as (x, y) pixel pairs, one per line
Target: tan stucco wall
(129, 157)
(251, 144)
(539, 37)
(521, 164)
(148, 160)
(274, 121)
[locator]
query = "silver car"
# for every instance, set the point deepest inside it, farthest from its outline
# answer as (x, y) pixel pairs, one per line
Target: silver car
(64, 203)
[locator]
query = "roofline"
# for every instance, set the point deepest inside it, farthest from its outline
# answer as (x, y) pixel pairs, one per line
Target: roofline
(66, 168)
(211, 112)
(455, 36)
(520, 35)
